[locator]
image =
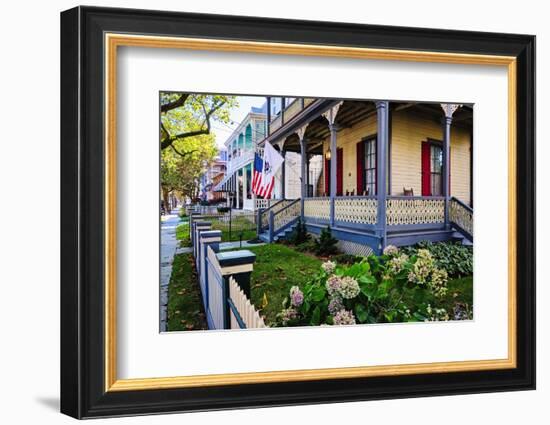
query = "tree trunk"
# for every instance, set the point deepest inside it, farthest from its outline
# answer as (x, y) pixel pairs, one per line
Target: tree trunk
(166, 200)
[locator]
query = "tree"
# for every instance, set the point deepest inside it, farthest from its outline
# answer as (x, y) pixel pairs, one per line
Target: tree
(182, 173)
(186, 115)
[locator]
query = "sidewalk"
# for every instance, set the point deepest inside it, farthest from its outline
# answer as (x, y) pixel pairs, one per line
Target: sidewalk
(168, 246)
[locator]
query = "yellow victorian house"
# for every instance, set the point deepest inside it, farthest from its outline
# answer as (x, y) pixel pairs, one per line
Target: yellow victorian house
(393, 172)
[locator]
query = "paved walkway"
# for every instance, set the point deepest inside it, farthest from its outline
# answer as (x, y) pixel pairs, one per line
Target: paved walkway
(168, 246)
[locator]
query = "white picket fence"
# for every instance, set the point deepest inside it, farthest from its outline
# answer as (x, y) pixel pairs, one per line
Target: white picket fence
(242, 309)
(225, 302)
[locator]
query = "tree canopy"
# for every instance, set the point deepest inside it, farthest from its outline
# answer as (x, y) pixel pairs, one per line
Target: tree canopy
(186, 142)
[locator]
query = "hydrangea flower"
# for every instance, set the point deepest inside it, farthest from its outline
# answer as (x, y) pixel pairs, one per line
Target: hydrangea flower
(344, 317)
(335, 305)
(333, 285)
(422, 268)
(288, 314)
(391, 250)
(438, 283)
(397, 263)
(328, 266)
(349, 287)
(296, 296)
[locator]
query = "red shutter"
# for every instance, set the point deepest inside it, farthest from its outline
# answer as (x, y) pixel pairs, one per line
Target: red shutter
(360, 172)
(340, 172)
(426, 170)
(327, 177)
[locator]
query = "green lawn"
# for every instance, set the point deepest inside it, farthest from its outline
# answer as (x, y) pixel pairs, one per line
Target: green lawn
(238, 225)
(277, 268)
(182, 234)
(185, 310)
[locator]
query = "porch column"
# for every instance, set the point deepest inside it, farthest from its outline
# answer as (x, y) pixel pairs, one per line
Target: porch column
(449, 109)
(301, 132)
(330, 115)
(283, 175)
(237, 187)
(382, 110)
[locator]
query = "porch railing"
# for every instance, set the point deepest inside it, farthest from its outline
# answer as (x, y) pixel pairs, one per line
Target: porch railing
(462, 216)
(356, 209)
(264, 203)
(317, 208)
(263, 214)
(407, 210)
(283, 218)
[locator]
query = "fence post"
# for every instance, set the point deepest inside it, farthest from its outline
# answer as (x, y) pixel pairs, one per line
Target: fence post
(239, 265)
(208, 238)
(271, 226)
(192, 218)
(200, 226)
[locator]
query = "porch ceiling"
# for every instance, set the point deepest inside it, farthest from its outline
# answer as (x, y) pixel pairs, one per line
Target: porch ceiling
(351, 112)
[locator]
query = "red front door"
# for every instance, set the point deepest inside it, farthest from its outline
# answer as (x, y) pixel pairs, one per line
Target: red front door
(426, 170)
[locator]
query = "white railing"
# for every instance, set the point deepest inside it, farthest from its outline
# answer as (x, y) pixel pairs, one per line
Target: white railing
(244, 158)
(242, 312)
(317, 208)
(264, 203)
(356, 209)
(406, 210)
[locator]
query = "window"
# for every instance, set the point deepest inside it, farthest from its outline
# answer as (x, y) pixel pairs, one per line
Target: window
(436, 162)
(370, 167)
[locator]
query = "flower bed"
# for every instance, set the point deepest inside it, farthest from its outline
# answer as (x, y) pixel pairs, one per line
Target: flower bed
(395, 287)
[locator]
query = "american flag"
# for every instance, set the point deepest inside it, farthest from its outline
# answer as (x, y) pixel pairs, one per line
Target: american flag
(257, 177)
(271, 162)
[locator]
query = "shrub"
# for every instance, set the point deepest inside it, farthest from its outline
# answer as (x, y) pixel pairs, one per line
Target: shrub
(347, 258)
(326, 244)
(223, 209)
(308, 246)
(394, 287)
(456, 259)
(299, 235)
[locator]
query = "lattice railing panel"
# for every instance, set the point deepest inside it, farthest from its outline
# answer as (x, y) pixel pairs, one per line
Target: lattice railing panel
(285, 216)
(414, 211)
(462, 216)
(276, 206)
(356, 210)
(318, 208)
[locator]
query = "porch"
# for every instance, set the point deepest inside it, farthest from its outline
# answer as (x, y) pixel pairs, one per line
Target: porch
(408, 220)
(374, 171)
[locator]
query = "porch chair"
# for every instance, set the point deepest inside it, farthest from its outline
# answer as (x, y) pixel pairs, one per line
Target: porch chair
(408, 192)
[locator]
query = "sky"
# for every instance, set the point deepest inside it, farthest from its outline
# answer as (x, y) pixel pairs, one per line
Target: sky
(222, 131)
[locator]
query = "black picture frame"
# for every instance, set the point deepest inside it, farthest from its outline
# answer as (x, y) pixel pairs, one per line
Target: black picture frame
(82, 212)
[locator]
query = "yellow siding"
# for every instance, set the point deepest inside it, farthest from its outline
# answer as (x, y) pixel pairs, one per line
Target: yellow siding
(408, 133)
(347, 139)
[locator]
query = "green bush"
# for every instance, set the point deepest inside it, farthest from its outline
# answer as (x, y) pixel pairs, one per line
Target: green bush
(347, 258)
(223, 209)
(453, 257)
(299, 235)
(394, 287)
(326, 244)
(308, 246)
